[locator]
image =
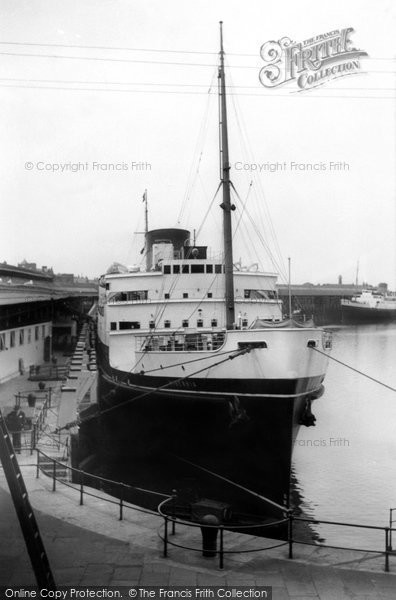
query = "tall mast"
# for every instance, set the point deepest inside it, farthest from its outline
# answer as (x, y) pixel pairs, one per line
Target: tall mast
(146, 227)
(226, 204)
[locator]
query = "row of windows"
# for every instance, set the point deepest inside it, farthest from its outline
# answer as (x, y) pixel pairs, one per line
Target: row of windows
(141, 295)
(10, 339)
(193, 268)
(123, 325)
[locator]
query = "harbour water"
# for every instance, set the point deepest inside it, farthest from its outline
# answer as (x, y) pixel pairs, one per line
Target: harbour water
(345, 467)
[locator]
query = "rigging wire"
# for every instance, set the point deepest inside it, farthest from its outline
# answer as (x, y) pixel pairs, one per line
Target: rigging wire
(200, 144)
(234, 354)
(249, 153)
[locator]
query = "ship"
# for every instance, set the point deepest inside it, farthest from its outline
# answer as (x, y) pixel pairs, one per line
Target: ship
(370, 306)
(198, 366)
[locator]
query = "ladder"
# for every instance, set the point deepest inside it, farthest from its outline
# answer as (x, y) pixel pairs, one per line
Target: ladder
(27, 520)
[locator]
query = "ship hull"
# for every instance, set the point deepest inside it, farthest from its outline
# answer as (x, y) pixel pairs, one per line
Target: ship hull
(365, 315)
(243, 436)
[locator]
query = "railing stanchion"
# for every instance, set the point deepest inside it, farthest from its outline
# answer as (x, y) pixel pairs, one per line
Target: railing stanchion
(38, 465)
(121, 502)
(174, 494)
(53, 476)
(290, 535)
(81, 488)
(221, 552)
(166, 537)
(387, 548)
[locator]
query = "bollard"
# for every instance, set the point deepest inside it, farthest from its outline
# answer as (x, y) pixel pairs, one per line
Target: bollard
(209, 534)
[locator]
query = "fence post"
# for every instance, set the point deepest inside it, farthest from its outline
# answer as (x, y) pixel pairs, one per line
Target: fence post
(290, 535)
(38, 465)
(390, 528)
(32, 440)
(81, 488)
(166, 538)
(53, 476)
(386, 549)
(221, 551)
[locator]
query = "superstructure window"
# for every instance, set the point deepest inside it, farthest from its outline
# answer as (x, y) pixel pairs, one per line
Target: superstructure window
(21, 337)
(209, 268)
(213, 322)
(210, 295)
(259, 294)
(29, 338)
(185, 323)
(218, 268)
(197, 268)
(185, 268)
(166, 296)
(113, 326)
(176, 269)
(151, 324)
(185, 294)
(12, 339)
(129, 325)
(244, 323)
(107, 286)
(167, 324)
(2, 342)
(133, 296)
(36, 333)
(199, 323)
(167, 269)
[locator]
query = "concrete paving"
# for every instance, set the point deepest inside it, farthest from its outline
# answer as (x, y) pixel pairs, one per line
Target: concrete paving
(88, 545)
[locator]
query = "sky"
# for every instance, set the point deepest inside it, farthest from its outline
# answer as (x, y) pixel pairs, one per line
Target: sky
(139, 91)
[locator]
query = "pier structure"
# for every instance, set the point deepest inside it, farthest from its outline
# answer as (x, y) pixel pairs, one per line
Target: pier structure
(39, 314)
(320, 302)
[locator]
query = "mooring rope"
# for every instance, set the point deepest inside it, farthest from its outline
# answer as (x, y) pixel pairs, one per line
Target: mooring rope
(389, 387)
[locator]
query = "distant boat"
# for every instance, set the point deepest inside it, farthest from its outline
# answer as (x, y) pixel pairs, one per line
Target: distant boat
(370, 306)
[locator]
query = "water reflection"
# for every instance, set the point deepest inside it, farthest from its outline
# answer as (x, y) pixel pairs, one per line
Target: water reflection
(346, 465)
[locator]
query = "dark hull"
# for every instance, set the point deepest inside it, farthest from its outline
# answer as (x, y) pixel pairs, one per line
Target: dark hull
(245, 438)
(357, 315)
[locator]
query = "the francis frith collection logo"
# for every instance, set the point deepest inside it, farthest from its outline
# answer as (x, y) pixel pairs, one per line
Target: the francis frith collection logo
(312, 62)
